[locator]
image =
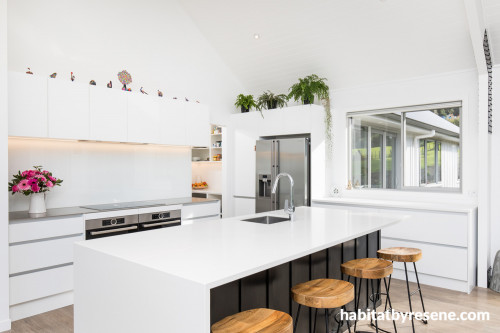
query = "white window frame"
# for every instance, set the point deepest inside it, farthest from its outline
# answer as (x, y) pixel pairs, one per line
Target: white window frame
(400, 183)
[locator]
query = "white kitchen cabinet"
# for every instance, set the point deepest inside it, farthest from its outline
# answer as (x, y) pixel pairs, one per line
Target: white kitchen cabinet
(244, 206)
(68, 110)
(198, 124)
(440, 232)
(173, 122)
(108, 114)
(27, 105)
(143, 118)
(200, 210)
(41, 263)
(29, 287)
(244, 163)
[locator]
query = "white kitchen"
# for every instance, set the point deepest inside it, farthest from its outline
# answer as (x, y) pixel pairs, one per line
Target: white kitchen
(249, 166)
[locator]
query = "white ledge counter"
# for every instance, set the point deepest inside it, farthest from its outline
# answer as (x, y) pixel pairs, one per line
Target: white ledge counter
(182, 279)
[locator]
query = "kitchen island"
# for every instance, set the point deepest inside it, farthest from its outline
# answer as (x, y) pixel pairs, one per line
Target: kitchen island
(184, 278)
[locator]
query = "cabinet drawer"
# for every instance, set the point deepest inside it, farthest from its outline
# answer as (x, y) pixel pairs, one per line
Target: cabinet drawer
(200, 210)
(36, 255)
(438, 260)
(433, 227)
(32, 286)
(27, 231)
(202, 219)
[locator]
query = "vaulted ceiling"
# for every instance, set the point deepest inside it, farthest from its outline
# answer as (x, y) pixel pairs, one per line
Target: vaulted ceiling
(351, 42)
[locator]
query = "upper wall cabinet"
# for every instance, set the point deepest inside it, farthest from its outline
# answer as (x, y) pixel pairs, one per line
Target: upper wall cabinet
(198, 124)
(27, 105)
(173, 122)
(143, 118)
(108, 114)
(68, 110)
(43, 107)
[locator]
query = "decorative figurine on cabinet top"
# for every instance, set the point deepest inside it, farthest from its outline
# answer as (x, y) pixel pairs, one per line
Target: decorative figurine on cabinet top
(110, 84)
(29, 71)
(142, 91)
(53, 75)
(175, 97)
(160, 94)
(187, 100)
(125, 78)
(72, 77)
(92, 83)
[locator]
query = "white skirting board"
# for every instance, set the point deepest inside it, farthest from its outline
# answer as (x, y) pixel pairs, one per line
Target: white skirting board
(41, 305)
(5, 325)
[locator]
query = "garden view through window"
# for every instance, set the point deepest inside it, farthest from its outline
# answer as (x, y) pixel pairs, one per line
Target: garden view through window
(406, 147)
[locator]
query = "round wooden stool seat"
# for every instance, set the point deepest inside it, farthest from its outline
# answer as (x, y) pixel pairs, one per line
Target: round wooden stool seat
(323, 293)
(255, 321)
(400, 254)
(367, 268)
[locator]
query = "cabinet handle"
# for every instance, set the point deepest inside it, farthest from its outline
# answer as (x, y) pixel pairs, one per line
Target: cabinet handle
(159, 223)
(93, 233)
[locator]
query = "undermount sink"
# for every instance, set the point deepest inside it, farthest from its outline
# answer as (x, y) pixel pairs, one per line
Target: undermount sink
(267, 219)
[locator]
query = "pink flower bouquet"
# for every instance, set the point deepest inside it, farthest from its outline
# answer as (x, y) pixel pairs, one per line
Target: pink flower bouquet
(33, 181)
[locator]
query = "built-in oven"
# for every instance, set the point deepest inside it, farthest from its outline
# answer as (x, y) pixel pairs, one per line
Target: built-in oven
(111, 226)
(157, 220)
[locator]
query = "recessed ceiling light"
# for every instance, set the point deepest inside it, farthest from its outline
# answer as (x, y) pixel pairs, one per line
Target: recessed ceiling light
(256, 36)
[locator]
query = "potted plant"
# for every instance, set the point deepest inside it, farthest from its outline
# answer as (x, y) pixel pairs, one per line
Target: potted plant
(269, 100)
(308, 87)
(245, 102)
(34, 183)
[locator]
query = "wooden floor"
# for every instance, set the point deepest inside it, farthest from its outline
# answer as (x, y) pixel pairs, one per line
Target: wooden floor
(436, 299)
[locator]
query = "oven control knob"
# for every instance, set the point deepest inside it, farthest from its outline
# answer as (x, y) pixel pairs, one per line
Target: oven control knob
(113, 221)
(164, 215)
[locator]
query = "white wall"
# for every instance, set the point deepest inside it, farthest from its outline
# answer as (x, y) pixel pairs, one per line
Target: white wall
(156, 41)
(96, 173)
(4, 256)
(447, 87)
(495, 166)
(210, 173)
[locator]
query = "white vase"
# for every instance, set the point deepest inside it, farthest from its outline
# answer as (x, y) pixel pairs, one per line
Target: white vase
(37, 203)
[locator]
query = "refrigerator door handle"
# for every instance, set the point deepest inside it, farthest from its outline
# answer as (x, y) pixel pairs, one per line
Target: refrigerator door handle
(276, 173)
(273, 176)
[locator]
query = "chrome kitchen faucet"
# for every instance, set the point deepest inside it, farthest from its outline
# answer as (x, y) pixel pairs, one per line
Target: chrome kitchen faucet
(289, 209)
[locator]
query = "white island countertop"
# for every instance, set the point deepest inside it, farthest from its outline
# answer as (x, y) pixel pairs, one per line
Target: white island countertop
(216, 252)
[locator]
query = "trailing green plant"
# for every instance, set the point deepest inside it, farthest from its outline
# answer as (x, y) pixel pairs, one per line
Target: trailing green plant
(307, 88)
(269, 100)
(246, 102)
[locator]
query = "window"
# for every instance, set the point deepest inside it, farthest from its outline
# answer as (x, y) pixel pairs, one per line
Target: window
(405, 148)
(373, 157)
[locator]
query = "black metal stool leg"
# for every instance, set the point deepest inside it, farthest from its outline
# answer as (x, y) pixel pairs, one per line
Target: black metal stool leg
(315, 319)
(356, 304)
(420, 291)
(296, 319)
(374, 301)
(348, 322)
(409, 299)
(340, 323)
(390, 305)
(326, 321)
(387, 290)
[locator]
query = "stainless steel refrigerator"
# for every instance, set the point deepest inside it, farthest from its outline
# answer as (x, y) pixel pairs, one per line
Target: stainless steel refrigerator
(282, 154)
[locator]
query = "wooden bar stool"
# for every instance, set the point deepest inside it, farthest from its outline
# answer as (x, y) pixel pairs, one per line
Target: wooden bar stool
(323, 294)
(404, 255)
(369, 269)
(255, 321)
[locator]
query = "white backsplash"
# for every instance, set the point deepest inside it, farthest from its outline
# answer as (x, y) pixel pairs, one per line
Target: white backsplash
(96, 173)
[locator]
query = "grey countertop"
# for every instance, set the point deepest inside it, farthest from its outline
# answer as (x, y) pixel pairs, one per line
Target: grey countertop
(72, 211)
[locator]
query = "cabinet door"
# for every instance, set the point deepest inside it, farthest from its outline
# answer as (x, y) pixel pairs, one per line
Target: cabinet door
(198, 124)
(68, 110)
(244, 164)
(27, 105)
(108, 114)
(143, 118)
(173, 122)
(244, 206)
